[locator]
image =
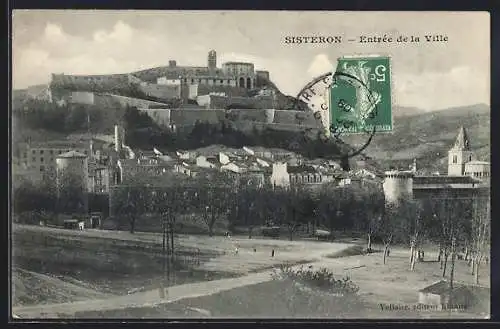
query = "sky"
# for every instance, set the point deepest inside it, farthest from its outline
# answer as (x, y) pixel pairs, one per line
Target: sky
(429, 76)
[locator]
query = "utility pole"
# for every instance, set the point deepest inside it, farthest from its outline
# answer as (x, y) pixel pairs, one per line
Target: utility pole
(162, 282)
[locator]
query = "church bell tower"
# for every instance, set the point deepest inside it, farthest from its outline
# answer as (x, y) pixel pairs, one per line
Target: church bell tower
(459, 154)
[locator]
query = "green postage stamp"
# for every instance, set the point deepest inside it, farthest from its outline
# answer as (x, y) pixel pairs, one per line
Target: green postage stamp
(360, 95)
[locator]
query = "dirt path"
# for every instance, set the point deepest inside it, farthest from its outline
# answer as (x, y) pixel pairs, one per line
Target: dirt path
(152, 297)
(147, 298)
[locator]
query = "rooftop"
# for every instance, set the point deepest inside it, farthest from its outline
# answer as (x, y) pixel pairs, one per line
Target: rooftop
(300, 169)
(476, 162)
(59, 144)
(420, 180)
(245, 63)
(462, 142)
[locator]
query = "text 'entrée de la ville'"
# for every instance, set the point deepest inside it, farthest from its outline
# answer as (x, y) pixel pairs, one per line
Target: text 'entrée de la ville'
(383, 38)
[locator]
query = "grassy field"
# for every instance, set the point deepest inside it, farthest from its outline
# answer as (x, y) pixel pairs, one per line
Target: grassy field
(118, 263)
(379, 284)
(60, 266)
(392, 283)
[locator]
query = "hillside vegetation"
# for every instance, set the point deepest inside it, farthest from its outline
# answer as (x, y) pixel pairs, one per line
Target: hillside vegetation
(428, 136)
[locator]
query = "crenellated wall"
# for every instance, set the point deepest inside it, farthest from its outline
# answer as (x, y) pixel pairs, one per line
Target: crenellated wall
(397, 185)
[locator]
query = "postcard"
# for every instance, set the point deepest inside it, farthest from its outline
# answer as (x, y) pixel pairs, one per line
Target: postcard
(250, 164)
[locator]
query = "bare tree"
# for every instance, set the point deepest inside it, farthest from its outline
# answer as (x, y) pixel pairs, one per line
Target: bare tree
(372, 204)
(387, 228)
(481, 232)
(213, 197)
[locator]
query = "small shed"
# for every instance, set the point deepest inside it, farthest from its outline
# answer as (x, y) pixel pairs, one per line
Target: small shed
(439, 294)
(74, 224)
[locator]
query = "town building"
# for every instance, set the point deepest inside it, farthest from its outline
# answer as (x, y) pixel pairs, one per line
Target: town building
(286, 176)
(169, 82)
(466, 176)
(39, 158)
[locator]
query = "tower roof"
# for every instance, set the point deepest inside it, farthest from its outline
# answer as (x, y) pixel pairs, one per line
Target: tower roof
(462, 142)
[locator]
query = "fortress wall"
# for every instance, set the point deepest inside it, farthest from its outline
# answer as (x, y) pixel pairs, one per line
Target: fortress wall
(82, 97)
(161, 91)
(124, 101)
(254, 115)
(184, 117)
(203, 89)
(159, 116)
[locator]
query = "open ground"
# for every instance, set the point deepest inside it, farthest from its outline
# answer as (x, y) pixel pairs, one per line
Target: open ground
(119, 275)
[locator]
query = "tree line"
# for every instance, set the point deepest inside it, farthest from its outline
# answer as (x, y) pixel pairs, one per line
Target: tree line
(459, 227)
(66, 118)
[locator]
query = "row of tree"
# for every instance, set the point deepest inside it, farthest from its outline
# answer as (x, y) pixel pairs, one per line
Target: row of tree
(67, 118)
(456, 225)
(61, 195)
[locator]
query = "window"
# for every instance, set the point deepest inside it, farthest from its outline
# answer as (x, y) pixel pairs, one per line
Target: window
(59, 152)
(454, 159)
(33, 152)
(192, 80)
(33, 159)
(470, 157)
(25, 155)
(51, 152)
(41, 159)
(222, 81)
(41, 151)
(42, 168)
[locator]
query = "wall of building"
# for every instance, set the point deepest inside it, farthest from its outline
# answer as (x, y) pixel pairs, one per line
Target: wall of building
(43, 158)
(238, 69)
(280, 176)
(478, 170)
(457, 160)
(99, 180)
(397, 185)
(229, 90)
(166, 81)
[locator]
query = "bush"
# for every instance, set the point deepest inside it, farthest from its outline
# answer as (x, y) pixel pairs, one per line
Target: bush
(320, 280)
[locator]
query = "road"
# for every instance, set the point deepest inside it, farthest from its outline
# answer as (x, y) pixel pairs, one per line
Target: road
(247, 260)
(146, 298)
